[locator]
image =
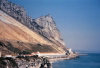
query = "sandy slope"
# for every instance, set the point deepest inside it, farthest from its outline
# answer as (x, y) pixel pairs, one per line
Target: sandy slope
(12, 29)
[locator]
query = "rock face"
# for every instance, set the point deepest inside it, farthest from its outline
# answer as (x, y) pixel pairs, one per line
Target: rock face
(41, 30)
(49, 29)
(23, 38)
(44, 25)
(15, 11)
(25, 62)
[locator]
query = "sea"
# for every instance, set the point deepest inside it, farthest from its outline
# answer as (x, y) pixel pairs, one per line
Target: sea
(89, 60)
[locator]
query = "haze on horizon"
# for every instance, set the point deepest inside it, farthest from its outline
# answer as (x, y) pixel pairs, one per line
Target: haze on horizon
(77, 20)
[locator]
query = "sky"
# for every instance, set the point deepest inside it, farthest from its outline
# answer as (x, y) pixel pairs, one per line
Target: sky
(77, 20)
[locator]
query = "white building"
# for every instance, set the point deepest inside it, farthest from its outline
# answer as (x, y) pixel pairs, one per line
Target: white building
(70, 50)
(8, 55)
(0, 54)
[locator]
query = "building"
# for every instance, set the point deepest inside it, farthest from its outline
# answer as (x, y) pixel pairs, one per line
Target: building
(0, 54)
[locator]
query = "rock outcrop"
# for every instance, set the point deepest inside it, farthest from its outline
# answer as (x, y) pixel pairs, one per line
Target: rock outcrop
(25, 62)
(41, 30)
(44, 25)
(49, 29)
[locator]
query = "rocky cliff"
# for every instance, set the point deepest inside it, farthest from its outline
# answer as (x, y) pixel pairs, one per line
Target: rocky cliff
(41, 30)
(49, 29)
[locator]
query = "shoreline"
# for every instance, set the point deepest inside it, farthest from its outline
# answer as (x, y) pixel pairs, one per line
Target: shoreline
(35, 61)
(69, 57)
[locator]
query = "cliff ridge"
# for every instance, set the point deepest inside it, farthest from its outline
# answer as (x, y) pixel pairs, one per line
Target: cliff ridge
(42, 30)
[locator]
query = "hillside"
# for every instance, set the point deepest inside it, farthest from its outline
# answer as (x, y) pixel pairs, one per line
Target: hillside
(11, 31)
(20, 33)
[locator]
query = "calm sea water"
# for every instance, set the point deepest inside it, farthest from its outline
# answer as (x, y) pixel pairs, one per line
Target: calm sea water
(92, 60)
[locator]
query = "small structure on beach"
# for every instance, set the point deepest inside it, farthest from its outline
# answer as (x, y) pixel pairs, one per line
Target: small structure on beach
(35, 53)
(8, 56)
(69, 51)
(0, 54)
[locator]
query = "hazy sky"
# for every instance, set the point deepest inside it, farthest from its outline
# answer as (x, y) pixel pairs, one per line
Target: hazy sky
(78, 20)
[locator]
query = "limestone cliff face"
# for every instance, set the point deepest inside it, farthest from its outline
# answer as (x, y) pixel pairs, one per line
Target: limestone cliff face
(41, 30)
(49, 29)
(44, 25)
